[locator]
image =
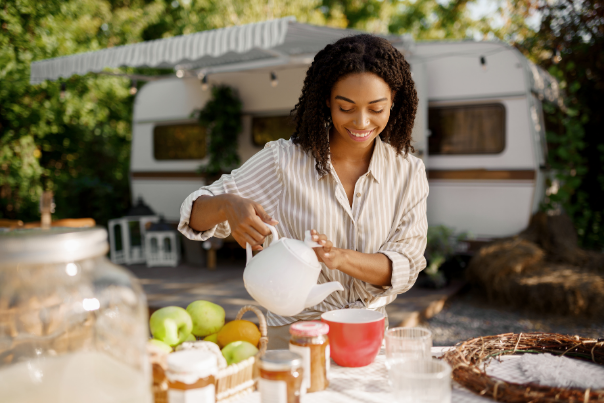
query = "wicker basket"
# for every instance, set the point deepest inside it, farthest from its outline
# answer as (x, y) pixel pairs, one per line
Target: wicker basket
(235, 380)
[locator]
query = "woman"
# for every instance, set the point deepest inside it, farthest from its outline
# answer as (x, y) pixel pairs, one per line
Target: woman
(345, 174)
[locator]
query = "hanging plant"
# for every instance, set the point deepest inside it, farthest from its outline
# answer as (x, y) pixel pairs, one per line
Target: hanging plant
(221, 117)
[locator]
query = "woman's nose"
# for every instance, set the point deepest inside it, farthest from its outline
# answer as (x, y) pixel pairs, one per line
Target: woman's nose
(361, 121)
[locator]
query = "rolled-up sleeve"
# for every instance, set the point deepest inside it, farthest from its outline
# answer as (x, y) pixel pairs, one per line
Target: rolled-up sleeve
(258, 179)
(405, 246)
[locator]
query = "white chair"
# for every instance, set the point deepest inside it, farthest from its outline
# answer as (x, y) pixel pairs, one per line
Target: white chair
(162, 247)
(129, 233)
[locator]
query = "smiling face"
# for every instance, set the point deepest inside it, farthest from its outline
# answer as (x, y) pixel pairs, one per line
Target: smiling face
(360, 108)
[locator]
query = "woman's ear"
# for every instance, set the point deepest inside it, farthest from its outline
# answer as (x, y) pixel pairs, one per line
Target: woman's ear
(329, 103)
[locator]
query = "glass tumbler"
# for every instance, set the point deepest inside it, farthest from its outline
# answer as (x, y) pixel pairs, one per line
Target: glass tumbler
(420, 380)
(408, 343)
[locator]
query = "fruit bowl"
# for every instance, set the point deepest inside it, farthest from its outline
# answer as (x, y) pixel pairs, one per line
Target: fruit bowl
(236, 379)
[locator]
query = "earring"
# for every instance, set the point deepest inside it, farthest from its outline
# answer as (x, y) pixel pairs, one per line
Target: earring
(328, 123)
(392, 106)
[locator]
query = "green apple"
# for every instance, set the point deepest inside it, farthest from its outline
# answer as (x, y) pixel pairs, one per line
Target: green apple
(171, 324)
(191, 337)
(163, 346)
(208, 318)
(238, 351)
(213, 338)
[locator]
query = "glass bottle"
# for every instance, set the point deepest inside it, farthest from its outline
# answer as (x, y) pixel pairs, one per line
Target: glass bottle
(73, 326)
(280, 377)
(191, 376)
(309, 339)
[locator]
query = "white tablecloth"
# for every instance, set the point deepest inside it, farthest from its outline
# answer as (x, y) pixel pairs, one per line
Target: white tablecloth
(366, 384)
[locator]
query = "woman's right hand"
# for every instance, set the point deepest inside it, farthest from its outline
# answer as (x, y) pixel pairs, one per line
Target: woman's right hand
(246, 218)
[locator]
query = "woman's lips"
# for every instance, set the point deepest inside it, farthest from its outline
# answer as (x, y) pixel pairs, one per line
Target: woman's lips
(359, 135)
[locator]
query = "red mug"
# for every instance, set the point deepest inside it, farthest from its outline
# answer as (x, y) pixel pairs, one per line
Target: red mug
(355, 335)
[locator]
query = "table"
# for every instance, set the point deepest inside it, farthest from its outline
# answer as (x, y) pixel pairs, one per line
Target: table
(366, 384)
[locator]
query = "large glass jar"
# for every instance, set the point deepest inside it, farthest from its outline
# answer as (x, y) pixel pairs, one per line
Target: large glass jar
(73, 326)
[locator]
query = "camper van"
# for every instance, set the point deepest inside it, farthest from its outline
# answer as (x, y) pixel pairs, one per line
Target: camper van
(479, 127)
(479, 131)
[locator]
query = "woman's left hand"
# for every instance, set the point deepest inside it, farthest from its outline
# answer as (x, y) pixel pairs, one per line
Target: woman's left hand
(332, 257)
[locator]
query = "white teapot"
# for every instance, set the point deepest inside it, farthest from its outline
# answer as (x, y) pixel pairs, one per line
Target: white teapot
(283, 277)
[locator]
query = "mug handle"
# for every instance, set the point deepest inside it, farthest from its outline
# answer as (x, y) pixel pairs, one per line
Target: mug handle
(248, 247)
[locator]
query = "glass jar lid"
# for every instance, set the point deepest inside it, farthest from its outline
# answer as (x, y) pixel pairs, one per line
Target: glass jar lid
(55, 245)
(192, 363)
(309, 328)
(280, 360)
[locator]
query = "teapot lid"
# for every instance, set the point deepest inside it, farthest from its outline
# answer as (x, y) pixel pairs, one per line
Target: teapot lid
(301, 250)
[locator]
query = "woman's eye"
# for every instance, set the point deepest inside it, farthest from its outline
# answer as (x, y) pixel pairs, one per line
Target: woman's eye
(345, 110)
(380, 111)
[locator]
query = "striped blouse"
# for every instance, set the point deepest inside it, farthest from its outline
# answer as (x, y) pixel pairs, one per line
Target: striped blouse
(388, 215)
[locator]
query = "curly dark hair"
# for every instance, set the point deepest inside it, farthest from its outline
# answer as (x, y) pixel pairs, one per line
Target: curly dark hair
(350, 55)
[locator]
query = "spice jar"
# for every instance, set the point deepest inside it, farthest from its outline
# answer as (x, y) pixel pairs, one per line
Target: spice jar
(280, 377)
(191, 376)
(309, 339)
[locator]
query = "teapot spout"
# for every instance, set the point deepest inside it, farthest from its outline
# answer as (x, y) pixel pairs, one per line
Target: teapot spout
(320, 291)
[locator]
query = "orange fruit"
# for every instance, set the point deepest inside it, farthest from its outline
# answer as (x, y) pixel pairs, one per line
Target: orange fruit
(239, 330)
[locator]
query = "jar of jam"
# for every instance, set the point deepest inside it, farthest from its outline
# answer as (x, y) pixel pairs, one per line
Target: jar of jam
(309, 339)
(280, 377)
(191, 376)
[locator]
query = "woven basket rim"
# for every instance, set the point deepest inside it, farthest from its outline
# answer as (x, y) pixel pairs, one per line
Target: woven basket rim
(469, 359)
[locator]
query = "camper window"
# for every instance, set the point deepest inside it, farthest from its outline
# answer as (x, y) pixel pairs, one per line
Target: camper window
(179, 142)
(466, 129)
(270, 128)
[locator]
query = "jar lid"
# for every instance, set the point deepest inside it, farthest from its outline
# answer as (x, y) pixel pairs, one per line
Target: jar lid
(280, 360)
(194, 363)
(55, 245)
(311, 328)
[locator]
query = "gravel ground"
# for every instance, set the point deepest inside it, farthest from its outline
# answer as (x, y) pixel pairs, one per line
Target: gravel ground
(469, 315)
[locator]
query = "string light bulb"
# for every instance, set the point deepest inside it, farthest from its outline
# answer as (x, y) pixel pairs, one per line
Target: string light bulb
(63, 90)
(133, 88)
(274, 80)
(180, 73)
(204, 83)
(483, 62)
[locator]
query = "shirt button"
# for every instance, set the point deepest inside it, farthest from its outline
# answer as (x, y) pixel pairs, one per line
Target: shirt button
(358, 195)
(347, 306)
(366, 299)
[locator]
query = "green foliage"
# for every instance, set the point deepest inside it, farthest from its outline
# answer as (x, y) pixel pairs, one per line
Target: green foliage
(442, 244)
(79, 145)
(222, 117)
(570, 44)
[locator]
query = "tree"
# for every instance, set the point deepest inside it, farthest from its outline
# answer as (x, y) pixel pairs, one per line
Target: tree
(569, 43)
(78, 144)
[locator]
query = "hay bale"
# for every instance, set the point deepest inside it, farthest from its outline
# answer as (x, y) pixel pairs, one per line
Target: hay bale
(543, 269)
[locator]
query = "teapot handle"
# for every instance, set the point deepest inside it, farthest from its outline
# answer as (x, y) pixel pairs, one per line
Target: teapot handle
(248, 247)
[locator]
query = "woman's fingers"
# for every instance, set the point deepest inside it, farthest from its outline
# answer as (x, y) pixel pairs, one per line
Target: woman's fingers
(322, 240)
(263, 215)
(249, 235)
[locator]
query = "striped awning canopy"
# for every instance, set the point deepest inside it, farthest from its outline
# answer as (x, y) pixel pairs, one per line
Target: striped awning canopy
(278, 40)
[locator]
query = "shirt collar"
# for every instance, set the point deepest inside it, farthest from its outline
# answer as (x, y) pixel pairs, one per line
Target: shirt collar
(375, 165)
(377, 160)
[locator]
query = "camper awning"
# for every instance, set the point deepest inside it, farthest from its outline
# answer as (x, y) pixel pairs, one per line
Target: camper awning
(275, 40)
